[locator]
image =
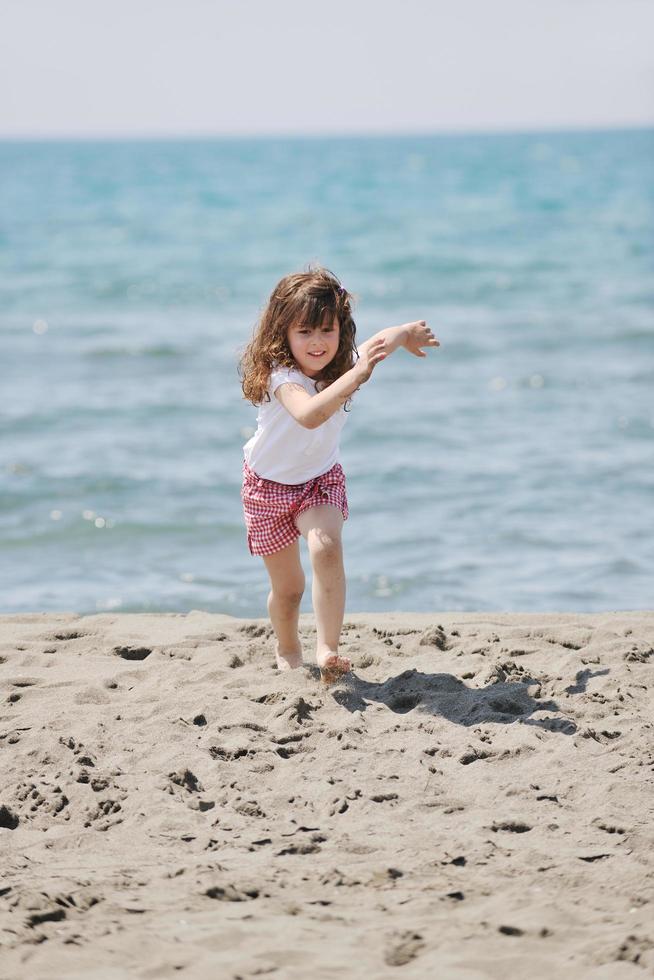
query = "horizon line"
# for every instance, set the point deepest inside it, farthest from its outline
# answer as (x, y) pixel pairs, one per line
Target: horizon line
(212, 135)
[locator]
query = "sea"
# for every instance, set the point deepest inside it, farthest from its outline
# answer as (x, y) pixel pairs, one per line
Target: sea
(512, 469)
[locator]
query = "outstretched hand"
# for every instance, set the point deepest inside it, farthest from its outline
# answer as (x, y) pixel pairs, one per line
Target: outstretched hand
(419, 335)
(370, 355)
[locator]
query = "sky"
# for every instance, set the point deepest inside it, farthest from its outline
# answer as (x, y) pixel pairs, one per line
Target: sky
(92, 68)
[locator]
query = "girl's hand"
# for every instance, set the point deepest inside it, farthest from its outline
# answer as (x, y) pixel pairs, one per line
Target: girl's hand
(371, 355)
(419, 335)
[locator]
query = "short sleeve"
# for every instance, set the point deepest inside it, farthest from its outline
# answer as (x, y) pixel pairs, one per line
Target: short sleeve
(282, 375)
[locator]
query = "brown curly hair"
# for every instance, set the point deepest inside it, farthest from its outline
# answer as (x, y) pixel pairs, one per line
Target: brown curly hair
(307, 297)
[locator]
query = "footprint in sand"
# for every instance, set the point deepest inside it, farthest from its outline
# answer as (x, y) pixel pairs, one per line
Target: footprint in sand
(385, 798)
(103, 816)
(640, 656)
(44, 907)
(341, 804)
(302, 848)
(231, 755)
(174, 653)
(404, 949)
(298, 710)
(512, 826)
(131, 652)
(254, 631)
(41, 802)
(22, 681)
(634, 950)
(435, 636)
(290, 745)
(188, 781)
(249, 808)
(232, 893)
(82, 756)
(64, 635)
(475, 755)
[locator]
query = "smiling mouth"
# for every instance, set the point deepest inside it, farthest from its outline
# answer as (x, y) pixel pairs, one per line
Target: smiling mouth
(317, 354)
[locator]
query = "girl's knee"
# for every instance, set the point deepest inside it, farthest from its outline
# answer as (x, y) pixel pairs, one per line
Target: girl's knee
(289, 593)
(324, 546)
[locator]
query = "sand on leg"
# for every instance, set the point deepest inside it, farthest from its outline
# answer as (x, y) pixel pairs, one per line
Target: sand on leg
(322, 527)
(287, 587)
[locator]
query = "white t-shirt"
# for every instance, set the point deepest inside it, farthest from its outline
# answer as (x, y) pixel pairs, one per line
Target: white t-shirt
(283, 450)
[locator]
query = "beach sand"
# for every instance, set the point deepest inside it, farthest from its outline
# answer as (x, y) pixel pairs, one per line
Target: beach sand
(476, 800)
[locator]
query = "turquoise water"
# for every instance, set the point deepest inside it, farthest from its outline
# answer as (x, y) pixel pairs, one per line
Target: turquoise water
(512, 469)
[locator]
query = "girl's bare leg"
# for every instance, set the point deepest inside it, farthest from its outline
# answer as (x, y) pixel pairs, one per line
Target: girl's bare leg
(322, 526)
(287, 582)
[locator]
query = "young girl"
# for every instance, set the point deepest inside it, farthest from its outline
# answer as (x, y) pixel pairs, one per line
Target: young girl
(302, 368)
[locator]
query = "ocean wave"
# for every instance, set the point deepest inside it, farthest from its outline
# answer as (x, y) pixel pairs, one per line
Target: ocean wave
(154, 350)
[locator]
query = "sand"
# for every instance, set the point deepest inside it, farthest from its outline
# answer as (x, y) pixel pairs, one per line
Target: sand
(475, 801)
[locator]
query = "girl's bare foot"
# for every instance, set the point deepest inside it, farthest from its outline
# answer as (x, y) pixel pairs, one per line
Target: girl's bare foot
(332, 666)
(288, 661)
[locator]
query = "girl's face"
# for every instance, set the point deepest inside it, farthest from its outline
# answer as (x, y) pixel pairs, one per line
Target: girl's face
(313, 348)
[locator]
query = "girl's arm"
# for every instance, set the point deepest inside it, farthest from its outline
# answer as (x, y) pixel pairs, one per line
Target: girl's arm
(413, 336)
(312, 410)
(393, 338)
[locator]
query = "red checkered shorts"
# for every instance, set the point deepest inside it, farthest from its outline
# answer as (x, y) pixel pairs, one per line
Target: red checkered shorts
(271, 508)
